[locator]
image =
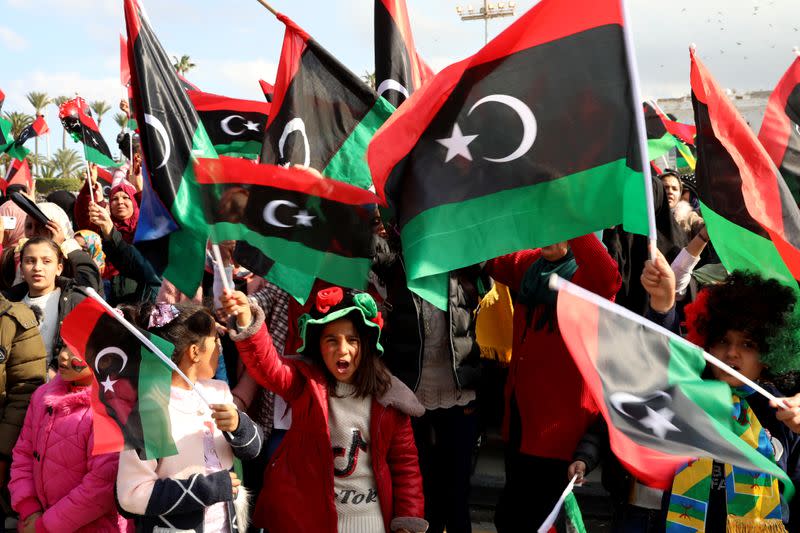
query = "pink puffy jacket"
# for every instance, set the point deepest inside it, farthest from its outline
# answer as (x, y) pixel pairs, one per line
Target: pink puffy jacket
(53, 470)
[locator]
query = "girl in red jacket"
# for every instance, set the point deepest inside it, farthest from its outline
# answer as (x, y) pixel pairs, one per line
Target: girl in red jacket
(349, 462)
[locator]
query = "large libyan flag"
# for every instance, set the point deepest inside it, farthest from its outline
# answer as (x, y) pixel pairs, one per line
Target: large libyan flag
(780, 131)
(749, 211)
(648, 385)
(531, 141)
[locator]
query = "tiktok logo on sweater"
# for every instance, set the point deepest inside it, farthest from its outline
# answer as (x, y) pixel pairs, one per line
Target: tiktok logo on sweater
(356, 445)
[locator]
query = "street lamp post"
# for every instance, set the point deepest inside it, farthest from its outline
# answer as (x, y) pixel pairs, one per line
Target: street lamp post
(490, 10)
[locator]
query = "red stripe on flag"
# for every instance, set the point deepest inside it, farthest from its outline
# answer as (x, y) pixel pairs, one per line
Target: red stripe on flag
(19, 173)
(214, 102)
(684, 132)
(294, 43)
(124, 64)
(132, 23)
(578, 322)
(758, 173)
(234, 170)
(40, 126)
(398, 10)
(547, 21)
(776, 130)
(268, 90)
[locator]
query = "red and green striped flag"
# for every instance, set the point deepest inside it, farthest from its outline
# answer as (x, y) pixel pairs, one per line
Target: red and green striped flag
(780, 131)
(172, 136)
(749, 211)
(131, 385)
(648, 385)
(18, 173)
(235, 126)
(531, 141)
(76, 117)
(8, 144)
(35, 129)
(659, 141)
(323, 115)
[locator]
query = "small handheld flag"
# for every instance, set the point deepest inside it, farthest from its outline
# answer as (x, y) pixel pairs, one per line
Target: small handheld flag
(76, 117)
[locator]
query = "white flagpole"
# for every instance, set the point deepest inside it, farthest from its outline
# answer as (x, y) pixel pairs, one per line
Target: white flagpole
(147, 342)
(636, 95)
(560, 284)
(551, 518)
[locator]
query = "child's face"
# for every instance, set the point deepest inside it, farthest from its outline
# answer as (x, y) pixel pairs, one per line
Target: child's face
(208, 357)
(340, 346)
(71, 367)
(740, 352)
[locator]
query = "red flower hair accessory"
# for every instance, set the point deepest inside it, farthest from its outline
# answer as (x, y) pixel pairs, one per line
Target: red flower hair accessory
(378, 320)
(327, 298)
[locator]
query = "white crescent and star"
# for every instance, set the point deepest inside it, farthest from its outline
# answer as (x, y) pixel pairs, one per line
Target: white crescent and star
(658, 421)
(392, 85)
(162, 132)
(296, 125)
(302, 218)
(108, 383)
(249, 125)
(458, 143)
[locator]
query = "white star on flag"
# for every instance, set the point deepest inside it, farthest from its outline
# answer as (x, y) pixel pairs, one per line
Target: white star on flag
(108, 384)
(457, 144)
(659, 422)
(303, 218)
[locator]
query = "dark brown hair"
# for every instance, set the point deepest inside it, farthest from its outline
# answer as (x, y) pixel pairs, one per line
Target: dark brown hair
(371, 378)
(42, 240)
(193, 323)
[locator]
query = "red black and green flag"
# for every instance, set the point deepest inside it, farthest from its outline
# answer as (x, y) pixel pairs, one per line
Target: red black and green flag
(659, 141)
(750, 214)
(172, 135)
(76, 117)
(648, 385)
(319, 227)
(235, 127)
(531, 141)
(37, 128)
(399, 70)
(780, 131)
(2, 99)
(131, 385)
(268, 89)
(8, 145)
(18, 173)
(323, 115)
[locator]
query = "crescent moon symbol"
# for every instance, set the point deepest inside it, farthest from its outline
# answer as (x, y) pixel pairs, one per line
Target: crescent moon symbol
(162, 132)
(296, 124)
(226, 127)
(111, 350)
(619, 398)
(394, 85)
(269, 212)
(527, 117)
(797, 128)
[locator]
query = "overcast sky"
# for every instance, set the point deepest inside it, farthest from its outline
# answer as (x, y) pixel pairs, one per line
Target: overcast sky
(64, 46)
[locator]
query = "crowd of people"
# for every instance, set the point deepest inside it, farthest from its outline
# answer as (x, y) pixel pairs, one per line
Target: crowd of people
(361, 411)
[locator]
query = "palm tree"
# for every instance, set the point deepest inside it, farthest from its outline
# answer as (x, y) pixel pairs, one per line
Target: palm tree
(100, 108)
(19, 121)
(183, 65)
(59, 101)
(66, 163)
(121, 119)
(369, 78)
(49, 171)
(39, 101)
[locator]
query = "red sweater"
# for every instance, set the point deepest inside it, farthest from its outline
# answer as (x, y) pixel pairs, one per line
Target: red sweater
(554, 405)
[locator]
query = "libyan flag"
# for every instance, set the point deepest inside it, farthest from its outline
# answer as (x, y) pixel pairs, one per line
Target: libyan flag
(18, 173)
(235, 127)
(131, 385)
(172, 135)
(8, 144)
(647, 384)
(76, 118)
(323, 115)
(531, 141)
(780, 131)
(659, 141)
(319, 227)
(749, 212)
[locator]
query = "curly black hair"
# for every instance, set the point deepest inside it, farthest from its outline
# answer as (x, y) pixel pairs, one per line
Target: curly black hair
(761, 308)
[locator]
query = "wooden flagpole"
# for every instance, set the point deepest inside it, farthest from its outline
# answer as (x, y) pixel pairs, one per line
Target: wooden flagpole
(269, 7)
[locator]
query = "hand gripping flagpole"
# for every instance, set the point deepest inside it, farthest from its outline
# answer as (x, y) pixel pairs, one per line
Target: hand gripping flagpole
(633, 70)
(560, 284)
(147, 342)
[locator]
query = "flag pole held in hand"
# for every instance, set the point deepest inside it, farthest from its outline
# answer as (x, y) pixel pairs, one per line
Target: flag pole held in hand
(147, 342)
(551, 518)
(560, 284)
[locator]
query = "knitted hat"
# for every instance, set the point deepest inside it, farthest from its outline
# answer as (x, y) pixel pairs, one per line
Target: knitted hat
(334, 303)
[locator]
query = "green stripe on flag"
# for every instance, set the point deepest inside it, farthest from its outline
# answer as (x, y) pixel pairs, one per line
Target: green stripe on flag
(713, 397)
(434, 241)
(242, 149)
(296, 283)
(15, 151)
(98, 157)
(346, 271)
(349, 163)
(155, 381)
(574, 515)
(741, 249)
(660, 147)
